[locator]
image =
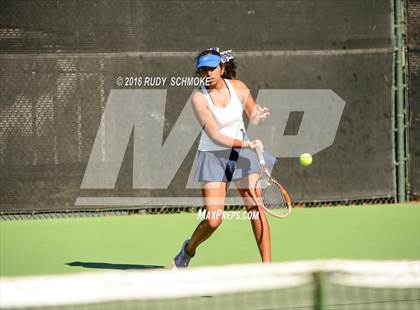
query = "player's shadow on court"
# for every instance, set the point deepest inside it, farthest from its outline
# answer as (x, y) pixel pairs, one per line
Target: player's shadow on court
(98, 265)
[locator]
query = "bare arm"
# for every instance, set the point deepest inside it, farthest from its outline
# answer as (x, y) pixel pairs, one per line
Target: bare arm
(210, 125)
(256, 114)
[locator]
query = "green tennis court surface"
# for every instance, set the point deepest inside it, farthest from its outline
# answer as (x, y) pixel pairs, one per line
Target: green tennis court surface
(151, 241)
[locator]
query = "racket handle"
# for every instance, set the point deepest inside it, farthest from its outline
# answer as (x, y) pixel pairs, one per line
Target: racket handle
(260, 156)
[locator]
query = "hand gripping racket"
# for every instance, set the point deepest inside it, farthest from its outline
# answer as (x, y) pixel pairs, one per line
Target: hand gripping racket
(274, 197)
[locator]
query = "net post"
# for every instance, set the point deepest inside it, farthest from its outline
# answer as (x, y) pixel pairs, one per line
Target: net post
(319, 293)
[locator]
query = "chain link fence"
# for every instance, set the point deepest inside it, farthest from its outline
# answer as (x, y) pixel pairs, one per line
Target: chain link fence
(57, 70)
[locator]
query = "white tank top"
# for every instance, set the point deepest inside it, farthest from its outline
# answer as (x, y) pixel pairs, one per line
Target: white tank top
(229, 119)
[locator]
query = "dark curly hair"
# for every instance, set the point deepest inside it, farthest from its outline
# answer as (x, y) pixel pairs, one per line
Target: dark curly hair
(230, 66)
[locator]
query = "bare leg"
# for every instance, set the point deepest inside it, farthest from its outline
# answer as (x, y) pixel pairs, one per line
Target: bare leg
(214, 194)
(260, 225)
(261, 230)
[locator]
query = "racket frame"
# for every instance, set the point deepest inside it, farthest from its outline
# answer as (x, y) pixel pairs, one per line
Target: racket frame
(264, 173)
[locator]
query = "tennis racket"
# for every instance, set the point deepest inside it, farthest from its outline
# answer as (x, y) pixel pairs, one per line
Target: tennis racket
(274, 197)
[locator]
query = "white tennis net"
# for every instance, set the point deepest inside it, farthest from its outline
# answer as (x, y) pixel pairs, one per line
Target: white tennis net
(333, 284)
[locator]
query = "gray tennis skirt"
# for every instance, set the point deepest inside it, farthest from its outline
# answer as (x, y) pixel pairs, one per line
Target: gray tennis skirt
(229, 165)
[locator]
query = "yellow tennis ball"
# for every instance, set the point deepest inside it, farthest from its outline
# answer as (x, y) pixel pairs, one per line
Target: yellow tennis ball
(305, 159)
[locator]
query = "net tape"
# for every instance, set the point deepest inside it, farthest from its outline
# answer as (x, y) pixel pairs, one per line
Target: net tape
(99, 287)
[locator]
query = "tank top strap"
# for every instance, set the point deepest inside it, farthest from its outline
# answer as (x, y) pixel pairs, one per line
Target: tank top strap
(229, 85)
(232, 91)
(207, 95)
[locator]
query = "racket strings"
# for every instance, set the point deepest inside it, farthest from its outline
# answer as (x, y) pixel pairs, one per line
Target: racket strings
(273, 198)
(272, 195)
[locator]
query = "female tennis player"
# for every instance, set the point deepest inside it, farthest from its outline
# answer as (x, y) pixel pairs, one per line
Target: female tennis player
(224, 153)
